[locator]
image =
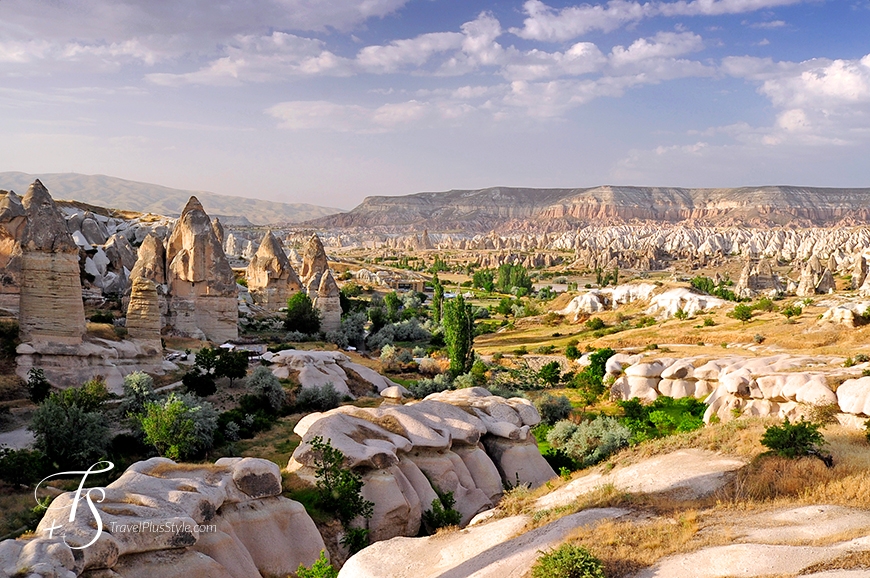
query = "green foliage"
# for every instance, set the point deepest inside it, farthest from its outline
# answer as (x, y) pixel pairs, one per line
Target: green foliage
(793, 440)
(604, 278)
(393, 304)
(590, 381)
(793, 310)
(513, 279)
(315, 398)
(437, 298)
(664, 417)
(708, 286)
(764, 304)
(483, 279)
(179, 427)
(441, 514)
(545, 349)
(550, 373)
(459, 334)
(320, 569)
(265, 385)
(338, 488)
(138, 390)
(70, 428)
(571, 351)
(741, 312)
(102, 316)
(595, 323)
(553, 408)
(199, 383)
(708, 322)
(232, 364)
(38, 386)
(568, 561)
(302, 315)
(207, 359)
(355, 539)
(681, 315)
(23, 467)
(589, 442)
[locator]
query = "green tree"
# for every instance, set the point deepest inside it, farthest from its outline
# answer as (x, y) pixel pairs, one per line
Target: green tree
(70, 427)
(793, 440)
(38, 386)
(320, 569)
(550, 373)
(302, 316)
(393, 305)
(179, 427)
(741, 312)
(790, 311)
(483, 279)
(510, 276)
(459, 334)
(437, 298)
(207, 359)
(232, 364)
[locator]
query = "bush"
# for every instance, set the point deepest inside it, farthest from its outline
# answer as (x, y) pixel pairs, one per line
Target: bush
(568, 561)
(301, 315)
(179, 427)
(338, 488)
(102, 317)
(741, 312)
(794, 440)
(262, 383)
(321, 398)
(571, 352)
(441, 514)
(199, 383)
(23, 467)
(70, 429)
(38, 386)
(595, 323)
(424, 387)
(320, 569)
(665, 416)
(553, 408)
(589, 442)
(138, 390)
(429, 366)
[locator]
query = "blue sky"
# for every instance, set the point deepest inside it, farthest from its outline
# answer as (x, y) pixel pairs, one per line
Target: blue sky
(328, 101)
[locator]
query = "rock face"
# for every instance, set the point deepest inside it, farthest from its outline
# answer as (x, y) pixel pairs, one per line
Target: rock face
(314, 265)
(328, 302)
(143, 312)
(13, 219)
(202, 288)
(151, 266)
(758, 278)
(317, 368)
(271, 278)
(467, 442)
(226, 520)
(51, 290)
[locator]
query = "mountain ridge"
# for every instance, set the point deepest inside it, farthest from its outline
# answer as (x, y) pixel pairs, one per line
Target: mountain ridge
(115, 192)
(497, 208)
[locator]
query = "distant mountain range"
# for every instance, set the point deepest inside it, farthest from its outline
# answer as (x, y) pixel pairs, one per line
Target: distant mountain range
(500, 208)
(115, 193)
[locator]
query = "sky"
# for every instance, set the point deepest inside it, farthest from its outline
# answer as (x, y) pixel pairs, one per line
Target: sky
(330, 101)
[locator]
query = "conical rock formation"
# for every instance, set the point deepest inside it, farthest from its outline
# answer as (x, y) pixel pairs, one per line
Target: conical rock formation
(271, 278)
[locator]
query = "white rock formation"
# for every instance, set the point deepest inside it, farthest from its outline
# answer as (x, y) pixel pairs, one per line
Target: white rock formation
(317, 368)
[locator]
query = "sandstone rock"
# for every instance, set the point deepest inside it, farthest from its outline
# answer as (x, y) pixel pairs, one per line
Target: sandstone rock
(328, 302)
(314, 265)
(202, 288)
(853, 396)
(143, 311)
(590, 302)
(666, 304)
(271, 278)
(51, 291)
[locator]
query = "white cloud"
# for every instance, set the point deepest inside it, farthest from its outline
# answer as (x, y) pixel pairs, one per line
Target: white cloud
(548, 24)
(581, 58)
(768, 25)
(339, 14)
(662, 45)
(97, 55)
(415, 51)
(261, 59)
(330, 116)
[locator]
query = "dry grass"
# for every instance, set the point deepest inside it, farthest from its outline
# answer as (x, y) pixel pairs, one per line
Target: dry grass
(626, 546)
(850, 561)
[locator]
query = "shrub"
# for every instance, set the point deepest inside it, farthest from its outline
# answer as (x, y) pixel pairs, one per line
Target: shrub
(70, 429)
(793, 440)
(138, 390)
(550, 373)
(790, 311)
(38, 386)
(429, 366)
(571, 352)
(568, 561)
(589, 442)
(262, 383)
(764, 304)
(321, 398)
(338, 488)
(758, 338)
(441, 514)
(102, 316)
(232, 364)
(708, 322)
(741, 312)
(553, 408)
(595, 323)
(199, 383)
(545, 349)
(663, 417)
(301, 315)
(320, 569)
(179, 427)
(23, 466)
(424, 387)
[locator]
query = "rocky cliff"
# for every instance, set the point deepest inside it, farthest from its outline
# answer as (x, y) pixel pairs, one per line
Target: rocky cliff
(559, 209)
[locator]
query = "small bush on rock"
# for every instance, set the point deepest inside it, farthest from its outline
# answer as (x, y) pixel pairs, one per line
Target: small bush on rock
(320, 569)
(568, 561)
(441, 514)
(589, 442)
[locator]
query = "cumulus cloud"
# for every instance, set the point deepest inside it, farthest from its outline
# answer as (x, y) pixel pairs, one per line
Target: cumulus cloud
(549, 24)
(415, 51)
(98, 54)
(338, 14)
(261, 59)
(662, 45)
